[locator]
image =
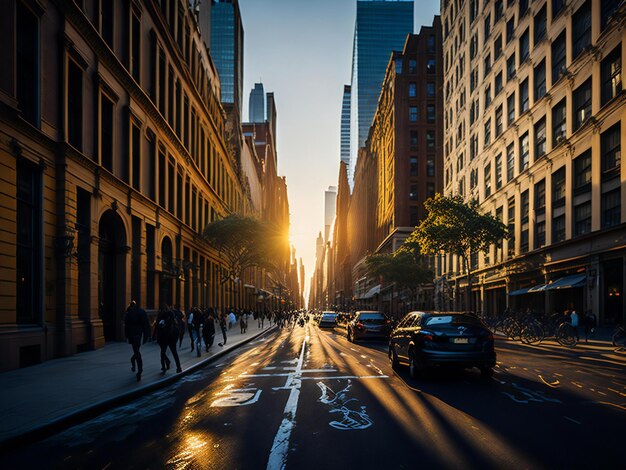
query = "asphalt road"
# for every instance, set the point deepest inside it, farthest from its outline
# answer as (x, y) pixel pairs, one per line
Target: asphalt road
(307, 398)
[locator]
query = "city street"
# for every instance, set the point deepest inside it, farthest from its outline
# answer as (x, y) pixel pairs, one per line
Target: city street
(307, 398)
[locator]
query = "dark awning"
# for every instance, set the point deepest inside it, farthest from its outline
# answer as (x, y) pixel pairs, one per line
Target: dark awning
(568, 282)
(372, 292)
(520, 291)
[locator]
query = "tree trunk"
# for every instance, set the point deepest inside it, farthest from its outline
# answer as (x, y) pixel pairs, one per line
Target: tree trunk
(468, 294)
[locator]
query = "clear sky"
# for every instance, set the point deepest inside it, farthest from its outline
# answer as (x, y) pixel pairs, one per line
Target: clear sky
(302, 51)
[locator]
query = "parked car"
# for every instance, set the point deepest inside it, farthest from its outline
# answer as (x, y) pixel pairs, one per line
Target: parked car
(368, 324)
(328, 320)
(424, 340)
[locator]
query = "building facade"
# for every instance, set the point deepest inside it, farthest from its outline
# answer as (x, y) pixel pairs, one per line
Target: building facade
(381, 27)
(344, 146)
(114, 159)
(533, 129)
(330, 209)
(256, 108)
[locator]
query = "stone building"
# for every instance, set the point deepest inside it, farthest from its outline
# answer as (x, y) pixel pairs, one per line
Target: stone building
(113, 160)
(533, 129)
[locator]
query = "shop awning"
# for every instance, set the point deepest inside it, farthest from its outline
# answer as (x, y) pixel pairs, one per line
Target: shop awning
(248, 286)
(568, 282)
(520, 291)
(539, 288)
(372, 292)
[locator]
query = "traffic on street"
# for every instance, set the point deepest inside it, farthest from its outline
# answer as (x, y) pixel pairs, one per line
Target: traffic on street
(303, 397)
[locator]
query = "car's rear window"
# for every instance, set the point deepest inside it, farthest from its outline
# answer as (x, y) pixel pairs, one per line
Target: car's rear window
(329, 316)
(371, 316)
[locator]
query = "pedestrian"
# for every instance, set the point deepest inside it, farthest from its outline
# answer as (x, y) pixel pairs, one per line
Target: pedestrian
(136, 326)
(180, 316)
(222, 322)
(195, 323)
(243, 324)
(167, 335)
(232, 319)
(573, 318)
(590, 324)
(208, 329)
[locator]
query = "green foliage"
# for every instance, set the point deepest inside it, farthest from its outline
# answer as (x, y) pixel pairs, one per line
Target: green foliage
(456, 227)
(243, 242)
(402, 268)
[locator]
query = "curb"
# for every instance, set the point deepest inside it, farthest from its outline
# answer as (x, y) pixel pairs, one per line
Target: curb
(92, 410)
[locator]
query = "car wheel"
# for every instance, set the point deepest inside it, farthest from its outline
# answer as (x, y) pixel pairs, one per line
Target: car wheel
(393, 357)
(415, 368)
(486, 372)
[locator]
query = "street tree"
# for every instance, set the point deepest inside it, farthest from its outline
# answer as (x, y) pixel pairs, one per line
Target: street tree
(243, 242)
(456, 227)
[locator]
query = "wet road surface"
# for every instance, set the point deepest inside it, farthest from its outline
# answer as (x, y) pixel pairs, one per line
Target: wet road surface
(307, 398)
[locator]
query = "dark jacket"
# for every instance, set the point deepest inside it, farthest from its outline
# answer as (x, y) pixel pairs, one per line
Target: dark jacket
(166, 327)
(136, 324)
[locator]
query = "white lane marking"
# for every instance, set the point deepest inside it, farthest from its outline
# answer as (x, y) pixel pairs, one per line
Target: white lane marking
(270, 368)
(265, 375)
(308, 371)
(572, 420)
(278, 455)
(236, 397)
(352, 419)
(342, 377)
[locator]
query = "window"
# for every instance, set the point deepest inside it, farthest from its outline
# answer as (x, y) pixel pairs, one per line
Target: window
(498, 83)
(540, 211)
(74, 105)
(540, 138)
(558, 187)
(413, 216)
(106, 21)
(29, 241)
(413, 192)
(524, 101)
(412, 66)
(487, 27)
(558, 58)
(487, 96)
(497, 47)
(413, 166)
(611, 152)
(487, 176)
(510, 162)
(524, 210)
(473, 79)
(540, 24)
(581, 23)
(27, 73)
(430, 139)
(523, 7)
(511, 225)
(558, 229)
(106, 132)
(135, 148)
(524, 152)
(413, 138)
(498, 171)
(582, 218)
(430, 65)
(582, 172)
(557, 7)
(510, 108)
(473, 146)
(540, 80)
(430, 90)
(430, 165)
(540, 234)
(558, 123)
(497, 10)
(398, 67)
(582, 104)
(510, 29)
(499, 121)
(431, 43)
(162, 178)
(412, 90)
(430, 113)
(487, 65)
(150, 169)
(524, 46)
(510, 67)
(413, 113)
(611, 208)
(607, 9)
(430, 189)
(611, 70)
(487, 138)
(473, 46)
(473, 10)
(540, 196)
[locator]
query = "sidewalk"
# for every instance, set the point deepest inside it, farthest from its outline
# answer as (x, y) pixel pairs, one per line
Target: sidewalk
(42, 399)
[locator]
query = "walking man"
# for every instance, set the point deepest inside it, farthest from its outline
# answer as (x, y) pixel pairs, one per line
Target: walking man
(136, 325)
(222, 321)
(167, 337)
(208, 329)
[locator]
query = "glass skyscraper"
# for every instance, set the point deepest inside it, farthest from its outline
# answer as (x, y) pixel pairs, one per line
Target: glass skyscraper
(381, 27)
(256, 105)
(345, 126)
(227, 49)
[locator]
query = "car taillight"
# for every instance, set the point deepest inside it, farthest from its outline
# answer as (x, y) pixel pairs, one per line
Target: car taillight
(428, 337)
(359, 325)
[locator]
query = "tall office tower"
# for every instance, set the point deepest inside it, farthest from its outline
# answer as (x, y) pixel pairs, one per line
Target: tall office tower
(380, 28)
(330, 199)
(256, 107)
(534, 124)
(227, 49)
(345, 126)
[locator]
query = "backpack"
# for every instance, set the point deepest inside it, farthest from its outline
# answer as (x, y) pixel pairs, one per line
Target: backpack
(168, 325)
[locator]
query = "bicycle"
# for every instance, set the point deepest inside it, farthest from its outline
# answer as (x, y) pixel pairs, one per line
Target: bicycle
(565, 335)
(619, 337)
